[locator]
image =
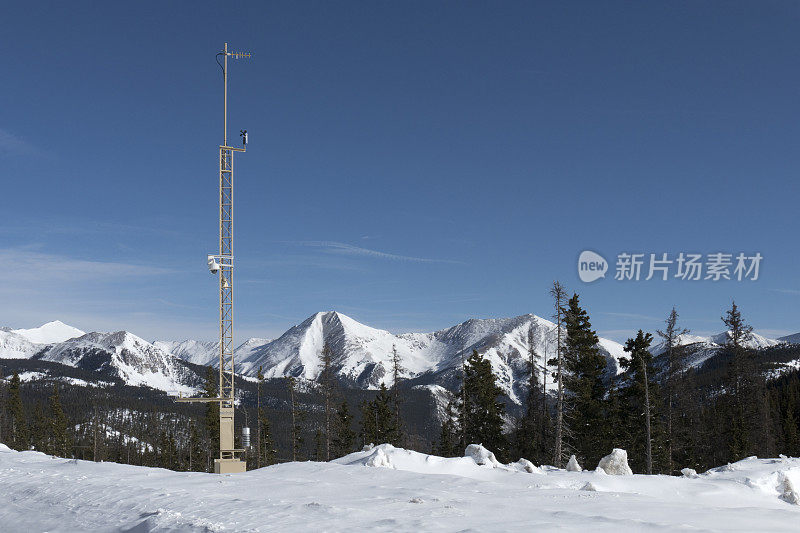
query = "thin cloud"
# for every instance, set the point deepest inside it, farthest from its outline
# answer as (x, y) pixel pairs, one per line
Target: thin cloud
(794, 292)
(348, 249)
(40, 267)
(10, 144)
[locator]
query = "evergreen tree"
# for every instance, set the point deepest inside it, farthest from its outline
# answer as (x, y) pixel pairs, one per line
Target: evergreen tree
(533, 427)
(166, 450)
(297, 417)
(58, 426)
(319, 445)
(211, 419)
(739, 332)
(449, 436)
(640, 393)
(326, 382)
(379, 424)
(344, 438)
(583, 379)
(675, 370)
(18, 427)
(397, 368)
(41, 429)
(266, 446)
(559, 294)
(481, 413)
(749, 432)
(369, 424)
(97, 435)
(194, 452)
(791, 435)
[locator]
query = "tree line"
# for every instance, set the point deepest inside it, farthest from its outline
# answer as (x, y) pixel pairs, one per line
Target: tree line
(668, 412)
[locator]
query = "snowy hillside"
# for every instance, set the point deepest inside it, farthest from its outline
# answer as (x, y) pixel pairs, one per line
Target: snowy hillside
(52, 332)
(389, 489)
(124, 355)
(15, 346)
(207, 352)
(362, 355)
(197, 352)
(704, 348)
(795, 338)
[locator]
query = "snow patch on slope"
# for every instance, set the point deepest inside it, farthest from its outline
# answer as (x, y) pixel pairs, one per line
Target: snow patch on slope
(15, 346)
(192, 351)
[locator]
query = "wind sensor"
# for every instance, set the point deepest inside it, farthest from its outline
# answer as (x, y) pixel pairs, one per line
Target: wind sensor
(221, 264)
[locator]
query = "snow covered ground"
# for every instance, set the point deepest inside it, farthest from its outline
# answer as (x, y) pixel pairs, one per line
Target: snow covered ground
(388, 489)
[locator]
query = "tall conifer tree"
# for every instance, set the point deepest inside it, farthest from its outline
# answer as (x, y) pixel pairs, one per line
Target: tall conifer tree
(583, 378)
(482, 413)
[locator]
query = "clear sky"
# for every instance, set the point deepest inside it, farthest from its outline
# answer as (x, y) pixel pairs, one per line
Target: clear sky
(411, 164)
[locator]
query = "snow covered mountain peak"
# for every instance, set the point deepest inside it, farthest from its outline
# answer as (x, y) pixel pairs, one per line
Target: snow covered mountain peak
(363, 355)
(124, 355)
(714, 342)
(755, 341)
(49, 333)
(360, 353)
(15, 346)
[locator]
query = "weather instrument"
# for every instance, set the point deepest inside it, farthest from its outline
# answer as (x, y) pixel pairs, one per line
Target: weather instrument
(221, 265)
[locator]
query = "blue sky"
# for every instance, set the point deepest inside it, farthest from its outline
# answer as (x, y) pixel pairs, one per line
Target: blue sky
(411, 164)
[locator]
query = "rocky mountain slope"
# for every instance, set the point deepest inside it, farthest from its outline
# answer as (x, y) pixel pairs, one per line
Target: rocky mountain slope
(362, 355)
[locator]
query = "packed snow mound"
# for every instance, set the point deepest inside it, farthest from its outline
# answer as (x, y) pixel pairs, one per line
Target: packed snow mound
(478, 462)
(616, 463)
(691, 473)
(790, 492)
(52, 332)
(572, 465)
(481, 456)
(379, 459)
(524, 465)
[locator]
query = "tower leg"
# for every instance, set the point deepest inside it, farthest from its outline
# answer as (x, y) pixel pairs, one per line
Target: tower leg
(229, 466)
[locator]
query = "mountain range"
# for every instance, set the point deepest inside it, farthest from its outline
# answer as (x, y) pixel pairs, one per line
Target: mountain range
(362, 355)
(119, 354)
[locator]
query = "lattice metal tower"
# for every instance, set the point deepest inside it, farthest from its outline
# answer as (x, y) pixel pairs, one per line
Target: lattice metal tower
(222, 265)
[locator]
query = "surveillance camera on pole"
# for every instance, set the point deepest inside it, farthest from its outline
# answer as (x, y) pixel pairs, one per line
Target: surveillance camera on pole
(213, 266)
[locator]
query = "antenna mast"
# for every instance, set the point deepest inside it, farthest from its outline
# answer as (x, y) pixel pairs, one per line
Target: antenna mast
(222, 265)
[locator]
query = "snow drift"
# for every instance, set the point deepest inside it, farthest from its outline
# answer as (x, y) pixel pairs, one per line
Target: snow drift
(403, 491)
